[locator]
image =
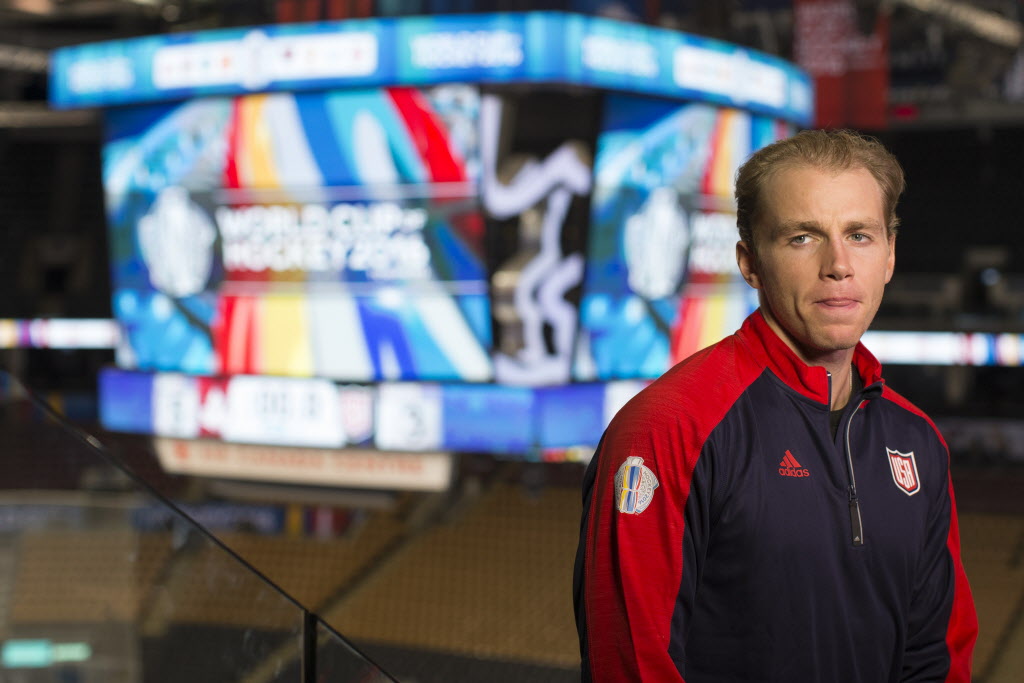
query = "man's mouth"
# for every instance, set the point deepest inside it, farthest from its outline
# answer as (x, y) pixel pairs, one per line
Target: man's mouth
(837, 302)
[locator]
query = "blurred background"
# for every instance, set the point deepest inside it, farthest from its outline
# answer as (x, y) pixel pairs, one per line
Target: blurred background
(346, 292)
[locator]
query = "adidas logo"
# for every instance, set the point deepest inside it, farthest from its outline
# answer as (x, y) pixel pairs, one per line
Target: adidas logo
(789, 467)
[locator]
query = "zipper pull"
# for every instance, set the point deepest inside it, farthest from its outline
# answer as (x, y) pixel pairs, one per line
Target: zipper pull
(855, 520)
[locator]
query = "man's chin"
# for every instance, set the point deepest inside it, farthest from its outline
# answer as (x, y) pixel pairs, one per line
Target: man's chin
(837, 341)
(816, 338)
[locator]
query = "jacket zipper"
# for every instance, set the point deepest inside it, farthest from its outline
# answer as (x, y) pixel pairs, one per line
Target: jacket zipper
(856, 523)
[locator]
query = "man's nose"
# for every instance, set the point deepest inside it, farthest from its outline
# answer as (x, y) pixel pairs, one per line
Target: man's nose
(835, 262)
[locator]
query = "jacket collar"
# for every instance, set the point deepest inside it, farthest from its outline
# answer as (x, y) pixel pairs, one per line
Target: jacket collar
(812, 381)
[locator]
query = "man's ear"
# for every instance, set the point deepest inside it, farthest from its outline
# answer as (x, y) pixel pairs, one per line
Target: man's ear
(747, 263)
(890, 264)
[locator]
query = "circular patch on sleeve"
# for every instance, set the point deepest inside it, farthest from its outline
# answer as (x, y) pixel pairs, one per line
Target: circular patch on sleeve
(634, 486)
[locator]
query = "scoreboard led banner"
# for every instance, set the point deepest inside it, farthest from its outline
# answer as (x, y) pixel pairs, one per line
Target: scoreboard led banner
(533, 47)
(391, 416)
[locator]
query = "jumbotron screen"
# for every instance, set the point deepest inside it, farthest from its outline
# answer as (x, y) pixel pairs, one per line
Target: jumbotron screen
(342, 236)
(478, 232)
(661, 277)
(330, 234)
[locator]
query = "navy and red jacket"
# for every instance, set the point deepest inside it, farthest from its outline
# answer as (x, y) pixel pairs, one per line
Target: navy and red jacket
(727, 536)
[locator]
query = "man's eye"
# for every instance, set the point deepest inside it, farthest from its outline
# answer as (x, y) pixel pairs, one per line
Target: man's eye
(859, 237)
(800, 239)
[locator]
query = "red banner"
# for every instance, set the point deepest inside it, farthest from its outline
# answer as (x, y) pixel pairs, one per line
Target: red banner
(867, 80)
(850, 69)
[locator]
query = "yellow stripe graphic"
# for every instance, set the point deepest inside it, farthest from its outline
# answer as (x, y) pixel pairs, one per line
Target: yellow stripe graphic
(285, 347)
(256, 154)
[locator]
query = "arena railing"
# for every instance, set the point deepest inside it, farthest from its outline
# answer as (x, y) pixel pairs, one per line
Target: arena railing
(102, 577)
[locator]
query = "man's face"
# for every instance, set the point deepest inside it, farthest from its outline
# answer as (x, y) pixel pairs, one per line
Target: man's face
(823, 257)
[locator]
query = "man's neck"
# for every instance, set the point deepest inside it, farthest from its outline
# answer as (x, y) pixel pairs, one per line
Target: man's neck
(842, 386)
(838, 363)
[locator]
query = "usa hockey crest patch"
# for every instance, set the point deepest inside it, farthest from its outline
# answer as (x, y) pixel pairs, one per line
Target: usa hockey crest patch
(904, 471)
(634, 486)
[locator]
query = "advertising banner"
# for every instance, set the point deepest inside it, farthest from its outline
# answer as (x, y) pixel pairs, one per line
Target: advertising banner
(348, 469)
(512, 47)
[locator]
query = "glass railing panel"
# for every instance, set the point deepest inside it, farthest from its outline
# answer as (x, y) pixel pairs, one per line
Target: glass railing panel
(101, 579)
(337, 659)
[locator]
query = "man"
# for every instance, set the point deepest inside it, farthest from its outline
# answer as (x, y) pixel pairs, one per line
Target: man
(769, 509)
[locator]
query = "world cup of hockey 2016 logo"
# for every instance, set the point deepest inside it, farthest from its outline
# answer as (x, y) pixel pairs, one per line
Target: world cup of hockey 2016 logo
(177, 242)
(904, 471)
(656, 239)
(634, 486)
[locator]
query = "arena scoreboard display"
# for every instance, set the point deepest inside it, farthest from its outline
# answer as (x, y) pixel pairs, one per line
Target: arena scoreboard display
(321, 235)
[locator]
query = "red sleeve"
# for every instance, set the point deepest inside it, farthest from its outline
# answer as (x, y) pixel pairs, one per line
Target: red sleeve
(962, 630)
(630, 562)
(943, 624)
(633, 563)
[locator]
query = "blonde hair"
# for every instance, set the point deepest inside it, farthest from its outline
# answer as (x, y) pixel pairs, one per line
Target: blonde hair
(828, 150)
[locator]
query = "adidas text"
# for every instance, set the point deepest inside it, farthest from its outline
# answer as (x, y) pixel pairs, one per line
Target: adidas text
(792, 472)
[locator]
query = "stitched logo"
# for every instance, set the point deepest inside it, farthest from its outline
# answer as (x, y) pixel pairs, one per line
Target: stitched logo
(789, 467)
(904, 471)
(634, 484)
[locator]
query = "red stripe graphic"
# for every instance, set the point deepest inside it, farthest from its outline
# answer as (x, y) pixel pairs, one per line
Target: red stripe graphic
(429, 135)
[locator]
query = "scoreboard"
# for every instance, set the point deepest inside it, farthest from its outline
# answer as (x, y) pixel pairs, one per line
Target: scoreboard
(324, 235)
